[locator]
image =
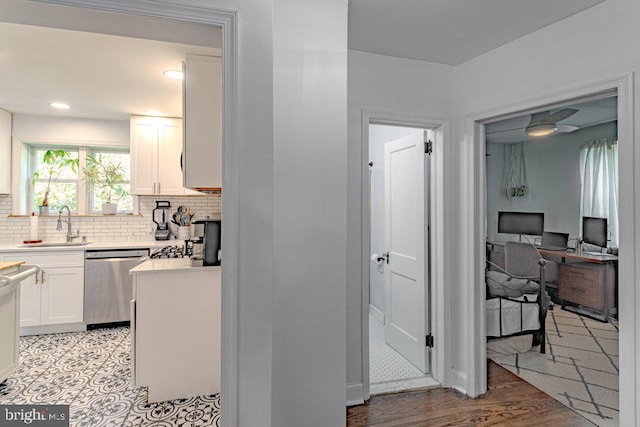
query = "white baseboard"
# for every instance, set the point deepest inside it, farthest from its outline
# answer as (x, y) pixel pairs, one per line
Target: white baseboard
(52, 329)
(459, 381)
(377, 313)
(355, 394)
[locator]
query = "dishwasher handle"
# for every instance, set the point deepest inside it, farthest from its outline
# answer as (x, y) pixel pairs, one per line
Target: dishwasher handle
(116, 253)
(19, 277)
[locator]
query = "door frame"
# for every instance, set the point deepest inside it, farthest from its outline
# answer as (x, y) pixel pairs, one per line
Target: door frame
(439, 294)
(227, 20)
(473, 234)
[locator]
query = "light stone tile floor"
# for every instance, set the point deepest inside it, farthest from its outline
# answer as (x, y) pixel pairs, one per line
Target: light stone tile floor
(91, 372)
(388, 370)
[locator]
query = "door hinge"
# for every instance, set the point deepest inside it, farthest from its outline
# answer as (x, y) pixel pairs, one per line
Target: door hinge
(429, 341)
(428, 146)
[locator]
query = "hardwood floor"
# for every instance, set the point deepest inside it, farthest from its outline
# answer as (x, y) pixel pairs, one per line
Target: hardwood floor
(510, 401)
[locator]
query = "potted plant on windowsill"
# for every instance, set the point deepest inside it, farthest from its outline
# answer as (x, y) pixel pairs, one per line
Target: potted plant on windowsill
(53, 163)
(106, 178)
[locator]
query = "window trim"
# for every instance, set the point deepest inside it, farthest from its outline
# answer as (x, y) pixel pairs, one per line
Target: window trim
(21, 181)
(88, 188)
(31, 166)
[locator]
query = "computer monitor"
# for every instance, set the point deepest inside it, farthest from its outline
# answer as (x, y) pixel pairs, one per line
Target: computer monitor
(594, 231)
(531, 223)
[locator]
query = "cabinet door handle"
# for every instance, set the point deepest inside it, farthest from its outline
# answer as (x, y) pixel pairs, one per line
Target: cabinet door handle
(42, 276)
(159, 188)
(154, 188)
(36, 278)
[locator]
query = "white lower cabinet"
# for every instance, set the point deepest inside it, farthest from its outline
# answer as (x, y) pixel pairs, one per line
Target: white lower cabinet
(56, 294)
(176, 330)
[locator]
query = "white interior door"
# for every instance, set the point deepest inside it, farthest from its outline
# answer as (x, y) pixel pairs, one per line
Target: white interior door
(405, 292)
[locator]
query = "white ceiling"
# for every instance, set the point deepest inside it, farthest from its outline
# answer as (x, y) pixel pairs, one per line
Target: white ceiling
(449, 31)
(113, 77)
(101, 76)
(590, 113)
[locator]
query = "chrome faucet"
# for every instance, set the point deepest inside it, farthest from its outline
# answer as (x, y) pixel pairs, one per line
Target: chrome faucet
(70, 236)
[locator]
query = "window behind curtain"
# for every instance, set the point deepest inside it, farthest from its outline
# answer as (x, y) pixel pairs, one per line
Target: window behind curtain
(599, 177)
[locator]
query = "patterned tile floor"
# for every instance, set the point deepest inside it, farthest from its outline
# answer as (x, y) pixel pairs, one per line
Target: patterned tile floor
(91, 371)
(580, 368)
(388, 370)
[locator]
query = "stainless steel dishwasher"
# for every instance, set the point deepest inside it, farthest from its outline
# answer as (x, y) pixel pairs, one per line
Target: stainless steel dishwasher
(108, 287)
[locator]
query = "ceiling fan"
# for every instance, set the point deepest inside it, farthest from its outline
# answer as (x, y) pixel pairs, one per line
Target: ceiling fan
(545, 123)
(540, 124)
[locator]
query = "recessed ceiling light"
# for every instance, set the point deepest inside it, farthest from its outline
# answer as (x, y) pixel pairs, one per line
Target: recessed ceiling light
(174, 74)
(152, 112)
(60, 105)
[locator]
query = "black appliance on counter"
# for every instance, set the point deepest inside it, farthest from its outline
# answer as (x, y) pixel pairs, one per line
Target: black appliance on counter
(208, 233)
(161, 215)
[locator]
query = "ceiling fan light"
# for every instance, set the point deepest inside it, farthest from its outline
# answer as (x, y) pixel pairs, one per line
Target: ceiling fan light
(60, 105)
(541, 129)
(174, 74)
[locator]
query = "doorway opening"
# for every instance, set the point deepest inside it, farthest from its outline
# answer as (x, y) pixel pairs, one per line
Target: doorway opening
(566, 342)
(400, 338)
(64, 12)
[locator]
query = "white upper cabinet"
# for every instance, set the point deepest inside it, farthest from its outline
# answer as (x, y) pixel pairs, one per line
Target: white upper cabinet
(5, 152)
(202, 104)
(156, 146)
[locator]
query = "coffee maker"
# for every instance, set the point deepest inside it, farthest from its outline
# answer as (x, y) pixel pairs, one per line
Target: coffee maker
(206, 241)
(161, 215)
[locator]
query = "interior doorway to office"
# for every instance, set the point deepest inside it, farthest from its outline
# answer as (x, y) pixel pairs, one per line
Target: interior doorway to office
(399, 275)
(564, 176)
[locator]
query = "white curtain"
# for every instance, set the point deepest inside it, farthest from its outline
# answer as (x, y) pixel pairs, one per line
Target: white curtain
(599, 177)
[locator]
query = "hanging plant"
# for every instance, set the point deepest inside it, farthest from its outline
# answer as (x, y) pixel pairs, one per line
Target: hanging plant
(514, 173)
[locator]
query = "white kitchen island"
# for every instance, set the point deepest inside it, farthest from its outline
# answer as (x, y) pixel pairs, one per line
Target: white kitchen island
(176, 329)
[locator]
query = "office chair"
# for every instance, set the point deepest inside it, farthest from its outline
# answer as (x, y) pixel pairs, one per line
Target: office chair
(522, 260)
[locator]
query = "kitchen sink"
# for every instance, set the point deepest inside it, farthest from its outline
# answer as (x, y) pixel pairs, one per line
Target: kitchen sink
(54, 244)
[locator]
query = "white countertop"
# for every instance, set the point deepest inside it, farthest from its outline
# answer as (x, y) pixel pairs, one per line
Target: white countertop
(154, 244)
(168, 264)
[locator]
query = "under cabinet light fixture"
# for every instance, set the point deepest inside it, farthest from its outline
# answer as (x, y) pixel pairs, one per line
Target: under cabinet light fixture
(152, 113)
(174, 74)
(60, 105)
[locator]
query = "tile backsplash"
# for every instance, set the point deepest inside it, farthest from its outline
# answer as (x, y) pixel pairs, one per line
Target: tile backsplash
(107, 227)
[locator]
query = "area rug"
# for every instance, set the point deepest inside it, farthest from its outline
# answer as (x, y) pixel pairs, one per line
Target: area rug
(580, 368)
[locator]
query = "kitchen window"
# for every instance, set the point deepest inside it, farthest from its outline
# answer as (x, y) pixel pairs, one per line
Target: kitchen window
(66, 182)
(56, 180)
(99, 194)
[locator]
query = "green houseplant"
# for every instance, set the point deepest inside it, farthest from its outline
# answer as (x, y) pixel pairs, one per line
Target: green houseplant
(53, 163)
(107, 179)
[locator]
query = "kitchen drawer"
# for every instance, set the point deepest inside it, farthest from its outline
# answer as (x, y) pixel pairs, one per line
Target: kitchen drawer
(585, 284)
(66, 259)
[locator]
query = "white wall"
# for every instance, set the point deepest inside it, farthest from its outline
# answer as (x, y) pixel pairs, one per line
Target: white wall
(597, 44)
(384, 84)
(30, 128)
(309, 228)
(378, 136)
(553, 180)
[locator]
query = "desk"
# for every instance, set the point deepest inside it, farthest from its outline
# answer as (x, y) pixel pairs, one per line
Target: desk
(587, 279)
